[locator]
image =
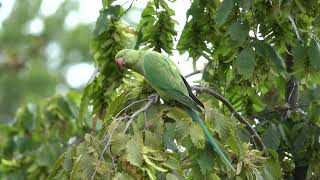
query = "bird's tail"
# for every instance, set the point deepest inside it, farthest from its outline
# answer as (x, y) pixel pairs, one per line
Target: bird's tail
(196, 117)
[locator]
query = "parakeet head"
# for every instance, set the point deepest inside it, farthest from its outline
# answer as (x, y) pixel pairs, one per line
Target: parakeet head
(127, 58)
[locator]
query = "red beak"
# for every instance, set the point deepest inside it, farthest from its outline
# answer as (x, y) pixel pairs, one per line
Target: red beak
(120, 61)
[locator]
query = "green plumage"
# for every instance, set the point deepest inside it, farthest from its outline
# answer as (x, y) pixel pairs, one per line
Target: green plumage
(164, 76)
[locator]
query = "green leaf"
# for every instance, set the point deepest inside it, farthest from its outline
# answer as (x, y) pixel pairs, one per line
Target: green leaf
(85, 99)
(168, 136)
(299, 52)
(76, 166)
(106, 3)
(301, 7)
(152, 140)
(122, 176)
(271, 137)
(56, 166)
(172, 163)
(224, 11)
(206, 163)
(170, 176)
(115, 106)
(25, 118)
(148, 161)
(314, 54)
(151, 173)
(245, 63)
(267, 51)
(277, 60)
(182, 128)
(272, 168)
(239, 31)
(134, 153)
(118, 143)
(197, 136)
(102, 23)
(214, 177)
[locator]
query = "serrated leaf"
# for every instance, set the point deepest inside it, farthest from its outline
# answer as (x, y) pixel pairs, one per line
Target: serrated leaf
(171, 163)
(168, 136)
(76, 166)
(206, 163)
(182, 128)
(197, 136)
(148, 161)
(101, 23)
(314, 54)
(152, 140)
(277, 60)
(271, 137)
(150, 173)
(272, 168)
(245, 63)
(224, 11)
(267, 51)
(239, 31)
(118, 143)
(116, 105)
(134, 153)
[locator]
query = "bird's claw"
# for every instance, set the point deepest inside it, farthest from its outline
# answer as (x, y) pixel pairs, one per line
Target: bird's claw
(153, 97)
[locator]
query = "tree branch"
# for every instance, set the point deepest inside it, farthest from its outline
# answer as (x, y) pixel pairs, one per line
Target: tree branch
(236, 114)
(152, 99)
(193, 73)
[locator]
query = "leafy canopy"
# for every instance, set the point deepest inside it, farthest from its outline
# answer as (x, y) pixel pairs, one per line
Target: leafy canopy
(263, 56)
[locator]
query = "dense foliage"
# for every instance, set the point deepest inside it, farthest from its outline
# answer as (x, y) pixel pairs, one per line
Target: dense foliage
(263, 57)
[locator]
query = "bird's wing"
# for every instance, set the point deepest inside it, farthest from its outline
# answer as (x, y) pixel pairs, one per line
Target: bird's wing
(164, 76)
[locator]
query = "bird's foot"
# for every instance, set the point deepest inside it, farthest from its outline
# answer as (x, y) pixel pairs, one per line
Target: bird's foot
(154, 97)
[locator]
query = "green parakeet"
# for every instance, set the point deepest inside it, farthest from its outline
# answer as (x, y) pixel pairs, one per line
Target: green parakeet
(164, 76)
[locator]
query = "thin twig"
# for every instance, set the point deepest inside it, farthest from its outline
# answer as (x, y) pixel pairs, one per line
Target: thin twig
(276, 110)
(193, 73)
(104, 149)
(145, 120)
(236, 114)
(152, 99)
(112, 160)
(121, 111)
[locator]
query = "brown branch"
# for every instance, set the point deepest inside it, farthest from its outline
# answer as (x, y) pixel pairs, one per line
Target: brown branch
(193, 73)
(236, 114)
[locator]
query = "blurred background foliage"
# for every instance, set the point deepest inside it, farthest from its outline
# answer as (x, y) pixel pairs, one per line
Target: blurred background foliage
(35, 51)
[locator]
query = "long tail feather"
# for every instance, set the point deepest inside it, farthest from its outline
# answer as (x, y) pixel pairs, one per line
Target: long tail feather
(196, 117)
